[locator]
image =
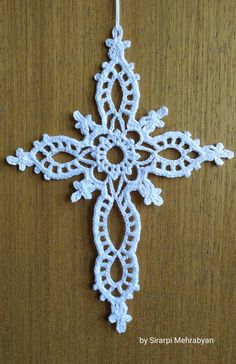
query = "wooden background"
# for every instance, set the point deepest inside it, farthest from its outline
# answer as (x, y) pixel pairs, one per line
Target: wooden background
(185, 51)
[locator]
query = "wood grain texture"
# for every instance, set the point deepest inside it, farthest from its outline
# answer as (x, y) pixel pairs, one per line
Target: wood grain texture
(185, 51)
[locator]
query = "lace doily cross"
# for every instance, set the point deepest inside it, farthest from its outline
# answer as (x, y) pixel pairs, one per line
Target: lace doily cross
(90, 158)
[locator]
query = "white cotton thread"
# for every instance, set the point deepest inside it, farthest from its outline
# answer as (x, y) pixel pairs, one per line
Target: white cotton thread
(117, 13)
(90, 156)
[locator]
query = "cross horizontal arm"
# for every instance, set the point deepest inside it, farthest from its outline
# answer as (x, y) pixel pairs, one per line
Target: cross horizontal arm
(41, 156)
(191, 154)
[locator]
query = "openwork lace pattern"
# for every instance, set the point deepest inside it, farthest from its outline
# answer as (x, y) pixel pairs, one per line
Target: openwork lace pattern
(140, 158)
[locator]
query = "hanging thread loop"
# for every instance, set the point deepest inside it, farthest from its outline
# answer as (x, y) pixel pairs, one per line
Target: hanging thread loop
(117, 13)
(117, 32)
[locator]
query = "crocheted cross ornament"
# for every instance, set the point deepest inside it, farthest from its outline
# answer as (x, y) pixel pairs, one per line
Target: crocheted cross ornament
(91, 156)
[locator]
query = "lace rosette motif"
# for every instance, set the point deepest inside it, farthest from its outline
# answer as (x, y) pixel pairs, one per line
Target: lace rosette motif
(89, 156)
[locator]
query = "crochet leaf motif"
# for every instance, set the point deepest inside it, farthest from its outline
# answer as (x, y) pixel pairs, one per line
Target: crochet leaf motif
(90, 156)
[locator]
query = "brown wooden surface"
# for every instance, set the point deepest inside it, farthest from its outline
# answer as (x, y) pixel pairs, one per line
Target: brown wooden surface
(185, 52)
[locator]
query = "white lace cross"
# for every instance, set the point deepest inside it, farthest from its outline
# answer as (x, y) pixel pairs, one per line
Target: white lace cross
(90, 156)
